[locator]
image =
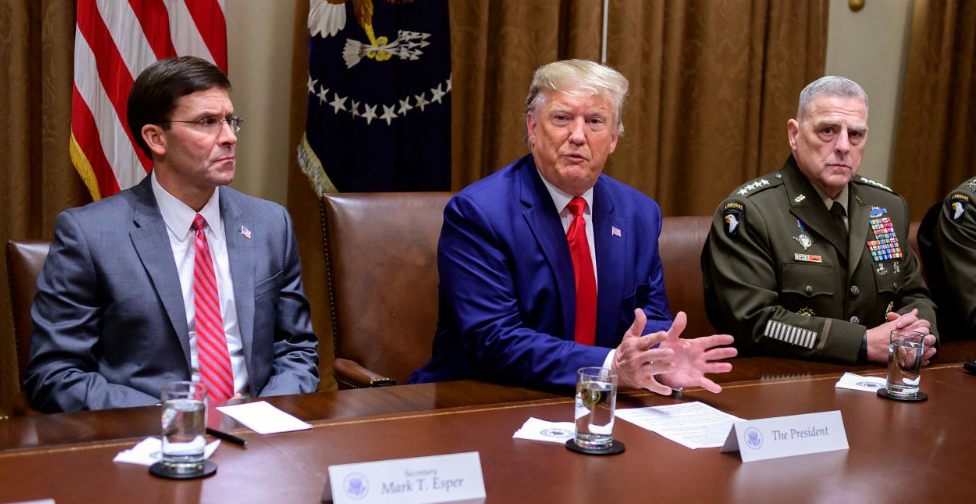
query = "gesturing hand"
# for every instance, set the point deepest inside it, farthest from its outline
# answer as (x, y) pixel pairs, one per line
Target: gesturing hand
(693, 358)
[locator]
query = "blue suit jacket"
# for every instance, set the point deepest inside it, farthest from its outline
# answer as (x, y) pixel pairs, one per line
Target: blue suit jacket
(507, 291)
(110, 326)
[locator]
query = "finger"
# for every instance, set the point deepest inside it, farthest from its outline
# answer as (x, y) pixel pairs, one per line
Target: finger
(649, 340)
(640, 320)
(654, 386)
(710, 386)
(930, 341)
(890, 316)
(656, 355)
(905, 321)
(718, 367)
(678, 326)
(721, 353)
(715, 340)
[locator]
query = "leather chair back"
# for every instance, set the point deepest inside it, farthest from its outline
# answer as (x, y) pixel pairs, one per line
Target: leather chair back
(381, 258)
(24, 262)
(680, 245)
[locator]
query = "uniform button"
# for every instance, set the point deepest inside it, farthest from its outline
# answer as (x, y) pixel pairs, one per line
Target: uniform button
(854, 290)
(855, 320)
(779, 175)
(809, 289)
(895, 285)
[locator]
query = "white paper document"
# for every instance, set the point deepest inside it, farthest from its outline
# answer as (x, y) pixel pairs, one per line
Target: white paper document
(264, 418)
(150, 450)
(858, 382)
(694, 424)
(540, 430)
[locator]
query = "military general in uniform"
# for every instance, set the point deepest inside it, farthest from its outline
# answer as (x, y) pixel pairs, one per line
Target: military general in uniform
(947, 241)
(813, 261)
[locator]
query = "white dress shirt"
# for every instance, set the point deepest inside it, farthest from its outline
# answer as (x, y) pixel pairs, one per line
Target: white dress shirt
(178, 218)
(561, 200)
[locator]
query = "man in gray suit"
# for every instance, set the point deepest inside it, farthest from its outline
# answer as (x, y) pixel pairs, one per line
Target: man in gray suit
(177, 278)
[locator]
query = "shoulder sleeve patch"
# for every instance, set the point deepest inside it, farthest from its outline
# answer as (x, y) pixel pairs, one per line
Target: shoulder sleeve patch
(733, 212)
(957, 206)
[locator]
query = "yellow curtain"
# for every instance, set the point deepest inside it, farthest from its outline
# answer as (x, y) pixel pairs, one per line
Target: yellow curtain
(37, 180)
(935, 148)
(712, 86)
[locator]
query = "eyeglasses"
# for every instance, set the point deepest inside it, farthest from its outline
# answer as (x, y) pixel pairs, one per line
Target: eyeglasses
(213, 124)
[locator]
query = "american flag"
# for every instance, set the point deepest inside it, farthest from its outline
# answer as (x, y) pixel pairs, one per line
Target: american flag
(115, 40)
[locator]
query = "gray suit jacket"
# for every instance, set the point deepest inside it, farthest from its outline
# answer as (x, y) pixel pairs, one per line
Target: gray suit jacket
(109, 321)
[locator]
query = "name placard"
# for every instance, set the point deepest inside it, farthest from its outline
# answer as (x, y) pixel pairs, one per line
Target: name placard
(419, 480)
(786, 436)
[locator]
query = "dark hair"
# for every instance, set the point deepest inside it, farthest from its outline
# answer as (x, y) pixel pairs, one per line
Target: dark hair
(155, 92)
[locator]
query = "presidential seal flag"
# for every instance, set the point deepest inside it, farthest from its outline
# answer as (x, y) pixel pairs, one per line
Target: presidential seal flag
(379, 87)
(114, 42)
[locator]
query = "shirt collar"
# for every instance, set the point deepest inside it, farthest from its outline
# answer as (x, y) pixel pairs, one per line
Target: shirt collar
(561, 199)
(178, 216)
(829, 202)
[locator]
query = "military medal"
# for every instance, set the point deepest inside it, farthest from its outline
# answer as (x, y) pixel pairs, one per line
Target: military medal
(882, 270)
(884, 246)
(803, 238)
(896, 268)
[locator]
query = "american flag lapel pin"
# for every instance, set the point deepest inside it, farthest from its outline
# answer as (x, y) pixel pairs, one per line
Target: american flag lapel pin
(246, 232)
(615, 231)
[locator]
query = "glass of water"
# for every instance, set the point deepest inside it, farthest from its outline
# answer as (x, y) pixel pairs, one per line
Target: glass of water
(184, 424)
(905, 351)
(596, 399)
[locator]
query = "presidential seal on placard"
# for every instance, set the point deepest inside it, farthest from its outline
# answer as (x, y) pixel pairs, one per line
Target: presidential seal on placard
(754, 438)
(356, 486)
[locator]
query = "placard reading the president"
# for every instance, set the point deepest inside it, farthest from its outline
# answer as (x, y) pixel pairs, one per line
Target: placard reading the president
(420, 480)
(787, 436)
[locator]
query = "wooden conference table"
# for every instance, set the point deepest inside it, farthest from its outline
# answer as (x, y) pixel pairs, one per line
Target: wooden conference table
(899, 452)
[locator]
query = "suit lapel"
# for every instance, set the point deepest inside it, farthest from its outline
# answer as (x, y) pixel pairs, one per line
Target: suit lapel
(609, 265)
(858, 221)
(806, 205)
(151, 242)
(240, 254)
(543, 220)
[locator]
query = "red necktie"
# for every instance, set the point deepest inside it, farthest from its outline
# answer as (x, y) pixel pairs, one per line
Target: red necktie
(579, 250)
(212, 357)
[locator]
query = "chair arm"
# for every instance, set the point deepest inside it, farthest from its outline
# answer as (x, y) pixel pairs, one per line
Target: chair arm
(349, 374)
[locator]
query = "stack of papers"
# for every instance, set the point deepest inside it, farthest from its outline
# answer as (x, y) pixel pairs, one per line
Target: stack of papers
(694, 425)
(264, 418)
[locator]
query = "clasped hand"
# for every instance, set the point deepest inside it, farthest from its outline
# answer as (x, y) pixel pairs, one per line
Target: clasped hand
(676, 362)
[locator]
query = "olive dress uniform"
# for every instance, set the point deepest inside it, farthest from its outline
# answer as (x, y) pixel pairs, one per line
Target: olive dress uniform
(947, 242)
(785, 277)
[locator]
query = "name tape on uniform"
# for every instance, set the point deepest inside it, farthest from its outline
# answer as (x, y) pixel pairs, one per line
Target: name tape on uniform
(787, 436)
(418, 480)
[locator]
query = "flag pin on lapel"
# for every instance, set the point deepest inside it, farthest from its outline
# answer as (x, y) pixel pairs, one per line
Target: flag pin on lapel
(615, 231)
(246, 232)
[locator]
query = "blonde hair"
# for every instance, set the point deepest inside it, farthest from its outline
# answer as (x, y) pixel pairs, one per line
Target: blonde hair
(579, 78)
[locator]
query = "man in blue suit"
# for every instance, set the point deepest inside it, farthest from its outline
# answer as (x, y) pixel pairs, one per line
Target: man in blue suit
(177, 278)
(524, 299)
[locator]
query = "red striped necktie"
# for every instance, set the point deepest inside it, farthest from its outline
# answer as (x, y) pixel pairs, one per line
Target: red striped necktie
(579, 250)
(212, 357)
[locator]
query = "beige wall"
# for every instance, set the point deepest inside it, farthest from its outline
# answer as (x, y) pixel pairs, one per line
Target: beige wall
(870, 47)
(259, 53)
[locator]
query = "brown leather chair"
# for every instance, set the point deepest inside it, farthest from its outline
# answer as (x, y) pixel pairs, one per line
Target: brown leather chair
(680, 245)
(381, 259)
(24, 262)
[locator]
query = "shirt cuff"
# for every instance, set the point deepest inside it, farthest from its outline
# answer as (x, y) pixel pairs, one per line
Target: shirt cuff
(608, 362)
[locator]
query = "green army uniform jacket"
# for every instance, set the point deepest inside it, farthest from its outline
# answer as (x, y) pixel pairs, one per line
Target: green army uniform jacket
(779, 279)
(947, 242)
